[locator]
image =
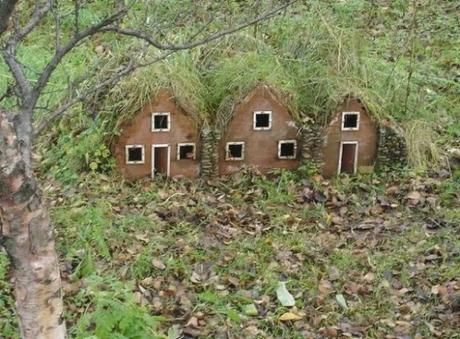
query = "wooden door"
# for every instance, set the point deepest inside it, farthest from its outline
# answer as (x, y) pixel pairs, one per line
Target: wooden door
(348, 158)
(161, 158)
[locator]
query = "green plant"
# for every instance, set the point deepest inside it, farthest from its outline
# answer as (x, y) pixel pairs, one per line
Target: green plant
(421, 147)
(78, 151)
(94, 227)
(8, 322)
(114, 312)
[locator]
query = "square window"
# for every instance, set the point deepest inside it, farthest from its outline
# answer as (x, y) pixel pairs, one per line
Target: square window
(262, 120)
(186, 151)
(287, 149)
(350, 121)
(134, 154)
(161, 122)
(235, 151)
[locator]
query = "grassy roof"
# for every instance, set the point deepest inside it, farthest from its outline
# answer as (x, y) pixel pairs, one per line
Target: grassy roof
(317, 52)
(231, 79)
(177, 74)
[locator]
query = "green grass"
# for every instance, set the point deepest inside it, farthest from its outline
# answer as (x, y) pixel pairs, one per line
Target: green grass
(352, 46)
(8, 321)
(238, 238)
(216, 261)
(111, 238)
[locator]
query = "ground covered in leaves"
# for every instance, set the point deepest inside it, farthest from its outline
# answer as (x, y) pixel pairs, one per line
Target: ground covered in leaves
(374, 256)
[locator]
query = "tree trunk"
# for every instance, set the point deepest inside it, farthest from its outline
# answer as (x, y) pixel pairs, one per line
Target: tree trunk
(23, 128)
(28, 238)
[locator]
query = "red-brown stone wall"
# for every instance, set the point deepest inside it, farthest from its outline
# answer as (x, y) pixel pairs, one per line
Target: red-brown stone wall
(367, 137)
(261, 147)
(138, 131)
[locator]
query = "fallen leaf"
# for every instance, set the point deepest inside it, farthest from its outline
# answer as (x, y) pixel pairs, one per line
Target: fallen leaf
(142, 237)
(331, 332)
(193, 322)
(341, 301)
(414, 197)
(283, 295)
(158, 264)
(251, 331)
(174, 332)
(325, 286)
(369, 277)
(290, 316)
(195, 278)
(334, 273)
(250, 309)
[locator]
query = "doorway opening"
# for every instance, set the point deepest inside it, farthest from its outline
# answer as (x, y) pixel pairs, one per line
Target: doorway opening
(161, 160)
(348, 157)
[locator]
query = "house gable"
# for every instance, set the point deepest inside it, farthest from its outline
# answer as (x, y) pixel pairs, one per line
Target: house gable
(260, 145)
(360, 130)
(179, 129)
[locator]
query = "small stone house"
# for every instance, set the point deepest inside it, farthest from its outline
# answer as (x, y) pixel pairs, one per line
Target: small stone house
(162, 139)
(350, 140)
(261, 133)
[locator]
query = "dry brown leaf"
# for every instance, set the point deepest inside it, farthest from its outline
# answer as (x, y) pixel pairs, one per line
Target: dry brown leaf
(142, 237)
(414, 197)
(193, 321)
(157, 263)
(290, 316)
(325, 286)
(195, 278)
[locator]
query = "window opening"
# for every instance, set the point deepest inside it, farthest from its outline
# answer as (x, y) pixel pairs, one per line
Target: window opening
(262, 120)
(350, 121)
(287, 149)
(185, 151)
(161, 122)
(135, 154)
(235, 151)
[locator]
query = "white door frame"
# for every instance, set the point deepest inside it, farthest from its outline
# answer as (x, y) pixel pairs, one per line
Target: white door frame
(355, 164)
(153, 158)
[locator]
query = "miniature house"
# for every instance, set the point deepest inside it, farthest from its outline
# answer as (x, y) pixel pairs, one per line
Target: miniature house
(261, 133)
(161, 140)
(350, 140)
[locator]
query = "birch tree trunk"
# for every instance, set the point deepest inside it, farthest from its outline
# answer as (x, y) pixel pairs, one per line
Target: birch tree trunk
(28, 238)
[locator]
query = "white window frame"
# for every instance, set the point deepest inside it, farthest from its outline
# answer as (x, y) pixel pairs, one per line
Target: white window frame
(127, 147)
(227, 150)
(168, 114)
(287, 142)
(254, 119)
(357, 121)
(355, 166)
(186, 144)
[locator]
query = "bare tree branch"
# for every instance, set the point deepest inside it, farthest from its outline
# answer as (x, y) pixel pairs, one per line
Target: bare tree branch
(6, 10)
(71, 44)
(114, 79)
(105, 26)
(77, 17)
(191, 44)
(9, 52)
(57, 27)
(37, 16)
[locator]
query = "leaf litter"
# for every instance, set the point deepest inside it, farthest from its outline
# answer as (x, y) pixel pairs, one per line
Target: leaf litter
(212, 259)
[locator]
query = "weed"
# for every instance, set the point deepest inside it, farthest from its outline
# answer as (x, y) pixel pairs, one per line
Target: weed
(114, 312)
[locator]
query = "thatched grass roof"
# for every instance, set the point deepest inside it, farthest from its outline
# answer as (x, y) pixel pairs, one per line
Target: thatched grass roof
(177, 75)
(311, 77)
(231, 79)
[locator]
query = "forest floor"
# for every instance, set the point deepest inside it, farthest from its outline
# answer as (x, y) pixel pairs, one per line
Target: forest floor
(374, 256)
